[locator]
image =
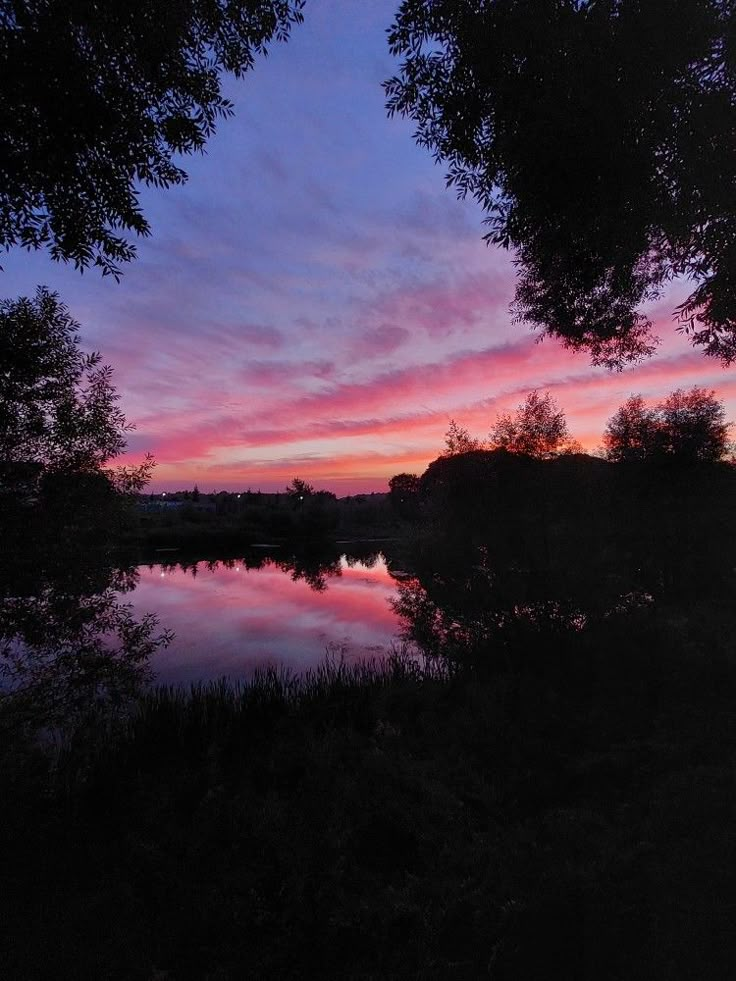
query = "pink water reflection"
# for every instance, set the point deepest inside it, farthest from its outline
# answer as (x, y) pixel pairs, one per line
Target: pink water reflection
(228, 621)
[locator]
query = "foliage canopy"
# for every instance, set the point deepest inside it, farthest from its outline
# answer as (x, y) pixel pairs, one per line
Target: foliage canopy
(300, 489)
(459, 440)
(404, 493)
(599, 138)
(403, 485)
(538, 428)
(688, 426)
(97, 98)
(631, 432)
(59, 411)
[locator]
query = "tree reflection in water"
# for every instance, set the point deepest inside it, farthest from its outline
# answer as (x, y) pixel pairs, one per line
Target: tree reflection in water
(496, 605)
(315, 566)
(69, 644)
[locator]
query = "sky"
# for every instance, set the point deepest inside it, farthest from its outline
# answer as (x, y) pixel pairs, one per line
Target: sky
(315, 303)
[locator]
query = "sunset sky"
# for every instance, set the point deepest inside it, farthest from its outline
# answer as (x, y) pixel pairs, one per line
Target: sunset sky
(314, 302)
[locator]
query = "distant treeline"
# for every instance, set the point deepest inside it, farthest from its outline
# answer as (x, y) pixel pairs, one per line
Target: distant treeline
(253, 516)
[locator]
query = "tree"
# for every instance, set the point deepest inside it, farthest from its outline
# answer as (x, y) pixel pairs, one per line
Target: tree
(688, 426)
(59, 412)
(404, 485)
(299, 489)
(694, 425)
(404, 493)
(99, 97)
(598, 138)
(538, 428)
(632, 432)
(459, 440)
(72, 645)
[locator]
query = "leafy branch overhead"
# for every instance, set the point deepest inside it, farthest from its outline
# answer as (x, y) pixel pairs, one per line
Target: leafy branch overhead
(98, 98)
(599, 138)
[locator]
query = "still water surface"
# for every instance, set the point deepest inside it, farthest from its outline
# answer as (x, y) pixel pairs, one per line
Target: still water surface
(229, 619)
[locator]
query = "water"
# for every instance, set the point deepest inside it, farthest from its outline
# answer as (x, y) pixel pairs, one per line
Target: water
(229, 618)
(83, 624)
(88, 627)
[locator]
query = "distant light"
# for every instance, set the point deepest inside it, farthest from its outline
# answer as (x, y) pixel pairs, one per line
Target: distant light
(163, 574)
(301, 497)
(164, 494)
(238, 496)
(237, 568)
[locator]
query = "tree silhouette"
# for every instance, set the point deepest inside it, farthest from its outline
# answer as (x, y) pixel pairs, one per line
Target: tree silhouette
(69, 643)
(299, 489)
(59, 411)
(598, 138)
(538, 428)
(459, 440)
(632, 432)
(689, 426)
(404, 493)
(694, 425)
(99, 97)
(403, 486)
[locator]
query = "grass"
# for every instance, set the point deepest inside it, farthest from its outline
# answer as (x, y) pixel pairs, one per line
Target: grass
(572, 818)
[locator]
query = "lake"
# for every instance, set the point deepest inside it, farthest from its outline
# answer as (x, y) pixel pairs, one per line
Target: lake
(84, 622)
(231, 617)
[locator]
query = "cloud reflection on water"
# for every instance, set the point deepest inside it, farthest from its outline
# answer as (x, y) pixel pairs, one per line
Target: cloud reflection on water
(230, 619)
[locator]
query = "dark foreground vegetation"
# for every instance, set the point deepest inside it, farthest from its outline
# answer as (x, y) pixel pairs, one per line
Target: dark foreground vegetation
(549, 794)
(569, 819)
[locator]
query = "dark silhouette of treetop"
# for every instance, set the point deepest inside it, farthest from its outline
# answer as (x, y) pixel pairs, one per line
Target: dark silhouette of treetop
(694, 425)
(299, 489)
(598, 137)
(632, 433)
(538, 428)
(59, 411)
(689, 426)
(459, 440)
(403, 485)
(98, 97)
(404, 493)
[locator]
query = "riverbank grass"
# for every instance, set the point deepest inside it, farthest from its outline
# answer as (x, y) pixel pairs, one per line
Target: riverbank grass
(391, 821)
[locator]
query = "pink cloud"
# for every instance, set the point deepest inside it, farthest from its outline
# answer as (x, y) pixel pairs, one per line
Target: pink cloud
(345, 466)
(272, 374)
(441, 308)
(379, 341)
